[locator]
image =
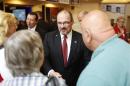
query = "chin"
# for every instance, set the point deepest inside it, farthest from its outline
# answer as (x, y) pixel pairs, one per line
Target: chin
(63, 32)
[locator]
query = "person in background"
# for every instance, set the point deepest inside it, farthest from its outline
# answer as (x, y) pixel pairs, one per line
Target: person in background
(32, 20)
(120, 29)
(52, 24)
(21, 25)
(112, 22)
(65, 52)
(109, 65)
(41, 23)
(24, 56)
(8, 25)
(81, 15)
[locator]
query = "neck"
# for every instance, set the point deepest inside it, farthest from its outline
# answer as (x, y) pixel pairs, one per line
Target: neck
(104, 36)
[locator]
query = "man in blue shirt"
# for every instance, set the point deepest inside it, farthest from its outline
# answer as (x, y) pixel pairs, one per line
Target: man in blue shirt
(109, 65)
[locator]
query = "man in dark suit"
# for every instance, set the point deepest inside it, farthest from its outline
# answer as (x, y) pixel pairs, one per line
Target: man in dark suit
(32, 24)
(77, 55)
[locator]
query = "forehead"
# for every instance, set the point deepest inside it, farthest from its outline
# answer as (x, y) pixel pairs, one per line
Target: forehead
(63, 16)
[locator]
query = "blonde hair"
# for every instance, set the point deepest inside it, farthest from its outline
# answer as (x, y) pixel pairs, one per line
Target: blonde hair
(6, 22)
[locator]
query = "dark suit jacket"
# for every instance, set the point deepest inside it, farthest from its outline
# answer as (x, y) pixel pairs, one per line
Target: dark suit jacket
(41, 31)
(78, 58)
(42, 28)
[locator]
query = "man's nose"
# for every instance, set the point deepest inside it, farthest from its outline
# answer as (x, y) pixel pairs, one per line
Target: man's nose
(62, 25)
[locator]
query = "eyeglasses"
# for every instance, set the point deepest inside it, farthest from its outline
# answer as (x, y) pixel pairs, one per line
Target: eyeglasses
(64, 23)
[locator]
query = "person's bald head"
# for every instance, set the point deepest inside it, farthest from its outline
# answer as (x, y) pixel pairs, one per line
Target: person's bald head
(96, 28)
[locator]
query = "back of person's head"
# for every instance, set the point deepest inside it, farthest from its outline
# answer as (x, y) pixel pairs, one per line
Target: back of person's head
(24, 52)
(81, 15)
(39, 14)
(96, 28)
(8, 25)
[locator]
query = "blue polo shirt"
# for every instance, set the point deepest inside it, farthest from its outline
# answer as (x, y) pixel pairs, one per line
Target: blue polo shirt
(109, 66)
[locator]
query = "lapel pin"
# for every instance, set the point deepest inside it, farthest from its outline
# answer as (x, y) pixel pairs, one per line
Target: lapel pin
(75, 42)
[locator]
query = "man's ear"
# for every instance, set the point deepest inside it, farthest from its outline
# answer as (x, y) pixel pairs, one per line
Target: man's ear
(88, 36)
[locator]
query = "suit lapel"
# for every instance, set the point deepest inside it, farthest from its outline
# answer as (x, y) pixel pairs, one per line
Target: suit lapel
(58, 47)
(74, 43)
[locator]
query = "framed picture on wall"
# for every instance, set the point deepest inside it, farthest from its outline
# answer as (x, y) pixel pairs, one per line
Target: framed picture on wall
(108, 7)
(115, 8)
(118, 9)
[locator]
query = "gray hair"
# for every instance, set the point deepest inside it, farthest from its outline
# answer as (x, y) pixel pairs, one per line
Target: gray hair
(24, 52)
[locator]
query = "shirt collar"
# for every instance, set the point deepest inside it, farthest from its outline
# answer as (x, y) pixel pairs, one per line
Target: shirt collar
(31, 74)
(32, 28)
(101, 47)
(68, 35)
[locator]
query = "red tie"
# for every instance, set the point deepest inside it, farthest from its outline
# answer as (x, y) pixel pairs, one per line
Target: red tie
(65, 50)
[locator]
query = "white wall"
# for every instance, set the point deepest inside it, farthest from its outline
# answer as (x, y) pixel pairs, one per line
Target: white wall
(127, 13)
(113, 14)
(127, 10)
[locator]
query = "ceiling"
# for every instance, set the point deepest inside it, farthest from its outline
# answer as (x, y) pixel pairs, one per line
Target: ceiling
(107, 1)
(23, 2)
(34, 2)
(91, 0)
(115, 1)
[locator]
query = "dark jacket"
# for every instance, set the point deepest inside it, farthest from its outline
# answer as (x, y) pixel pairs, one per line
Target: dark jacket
(78, 58)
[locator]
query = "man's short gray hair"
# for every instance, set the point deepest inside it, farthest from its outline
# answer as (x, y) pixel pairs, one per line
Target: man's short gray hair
(24, 52)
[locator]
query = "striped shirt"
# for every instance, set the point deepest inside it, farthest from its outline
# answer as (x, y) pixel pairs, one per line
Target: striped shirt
(33, 79)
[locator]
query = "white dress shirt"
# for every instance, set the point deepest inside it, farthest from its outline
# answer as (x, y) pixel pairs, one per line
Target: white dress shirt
(69, 38)
(33, 29)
